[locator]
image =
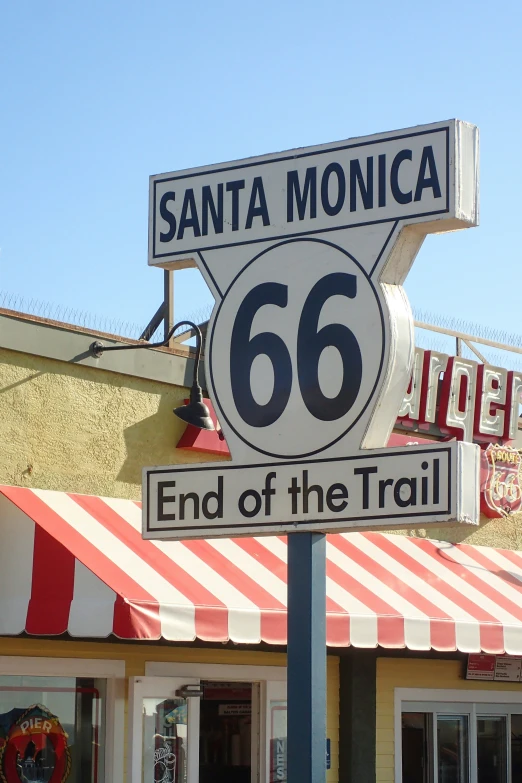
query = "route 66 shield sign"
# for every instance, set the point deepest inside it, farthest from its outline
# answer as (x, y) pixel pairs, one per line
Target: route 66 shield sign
(310, 343)
(502, 484)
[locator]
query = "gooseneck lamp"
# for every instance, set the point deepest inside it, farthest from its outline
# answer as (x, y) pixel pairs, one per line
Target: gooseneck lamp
(195, 412)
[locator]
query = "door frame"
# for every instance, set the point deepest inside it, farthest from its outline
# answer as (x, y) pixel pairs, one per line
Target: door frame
(160, 687)
(266, 676)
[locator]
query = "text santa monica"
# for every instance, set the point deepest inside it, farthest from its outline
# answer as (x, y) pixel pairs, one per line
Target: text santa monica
(363, 186)
(298, 194)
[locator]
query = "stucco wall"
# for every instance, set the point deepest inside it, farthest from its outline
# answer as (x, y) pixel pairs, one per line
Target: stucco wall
(74, 428)
(503, 533)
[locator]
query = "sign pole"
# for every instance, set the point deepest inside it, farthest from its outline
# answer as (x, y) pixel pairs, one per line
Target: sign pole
(306, 675)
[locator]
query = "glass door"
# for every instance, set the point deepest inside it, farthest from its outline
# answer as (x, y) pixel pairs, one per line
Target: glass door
(416, 747)
(516, 747)
(492, 749)
(164, 730)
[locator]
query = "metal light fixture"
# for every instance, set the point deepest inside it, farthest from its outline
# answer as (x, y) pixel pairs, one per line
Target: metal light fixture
(195, 412)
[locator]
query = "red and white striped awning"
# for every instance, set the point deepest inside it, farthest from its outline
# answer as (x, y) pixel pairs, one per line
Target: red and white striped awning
(77, 564)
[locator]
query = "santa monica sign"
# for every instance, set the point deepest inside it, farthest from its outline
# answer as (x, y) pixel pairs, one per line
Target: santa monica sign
(310, 345)
(398, 176)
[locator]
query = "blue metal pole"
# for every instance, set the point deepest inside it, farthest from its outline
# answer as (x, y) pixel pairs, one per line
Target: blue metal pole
(306, 749)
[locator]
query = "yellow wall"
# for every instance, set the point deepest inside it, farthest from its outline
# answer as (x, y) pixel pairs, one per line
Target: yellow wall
(505, 533)
(136, 655)
(407, 673)
(73, 428)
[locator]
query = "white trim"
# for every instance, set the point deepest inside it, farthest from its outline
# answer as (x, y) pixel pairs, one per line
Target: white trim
(111, 670)
(60, 667)
(115, 730)
(445, 695)
(29, 334)
(456, 707)
(264, 739)
(216, 671)
(397, 732)
(255, 737)
(473, 760)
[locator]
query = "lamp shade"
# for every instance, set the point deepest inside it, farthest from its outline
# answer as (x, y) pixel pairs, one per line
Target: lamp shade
(195, 412)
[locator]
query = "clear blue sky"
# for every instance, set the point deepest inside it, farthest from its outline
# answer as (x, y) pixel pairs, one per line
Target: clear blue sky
(96, 96)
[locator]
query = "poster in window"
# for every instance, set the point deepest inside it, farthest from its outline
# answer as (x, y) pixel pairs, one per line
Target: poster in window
(33, 747)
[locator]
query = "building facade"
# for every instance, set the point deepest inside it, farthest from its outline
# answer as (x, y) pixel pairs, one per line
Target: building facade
(136, 661)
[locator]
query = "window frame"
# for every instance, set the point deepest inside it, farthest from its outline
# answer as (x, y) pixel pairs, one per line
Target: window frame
(473, 702)
(113, 671)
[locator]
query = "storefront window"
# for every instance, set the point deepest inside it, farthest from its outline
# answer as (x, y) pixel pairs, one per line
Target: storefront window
(443, 747)
(491, 750)
(51, 729)
(516, 748)
(415, 745)
(452, 748)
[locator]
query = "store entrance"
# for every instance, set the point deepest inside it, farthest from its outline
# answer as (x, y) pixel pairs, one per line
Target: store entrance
(225, 740)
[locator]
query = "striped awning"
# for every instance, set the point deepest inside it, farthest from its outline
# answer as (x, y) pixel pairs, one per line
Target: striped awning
(77, 564)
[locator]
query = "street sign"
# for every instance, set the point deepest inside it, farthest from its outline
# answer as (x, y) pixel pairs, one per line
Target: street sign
(421, 174)
(383, 489)
(310, 345)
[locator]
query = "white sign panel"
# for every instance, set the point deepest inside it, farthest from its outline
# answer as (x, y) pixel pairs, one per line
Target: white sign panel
(508, 669)
(385, 489)
(310, 345)
(407, 175)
